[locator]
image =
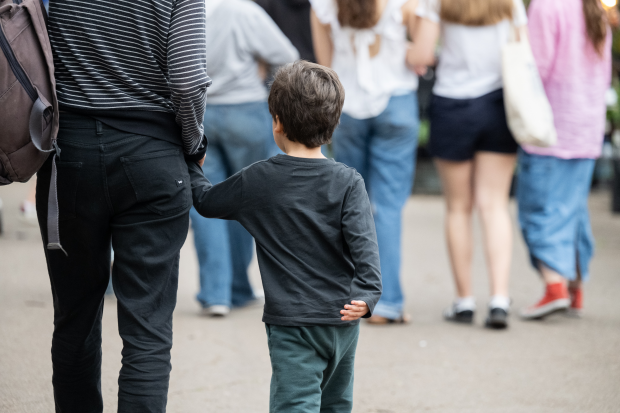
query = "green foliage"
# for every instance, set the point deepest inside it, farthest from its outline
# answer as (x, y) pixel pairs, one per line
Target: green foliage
(615, 48)
(424, 133)
(613, 113)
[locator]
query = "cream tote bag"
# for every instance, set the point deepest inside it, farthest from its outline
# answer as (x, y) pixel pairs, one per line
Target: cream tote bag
(528, 111)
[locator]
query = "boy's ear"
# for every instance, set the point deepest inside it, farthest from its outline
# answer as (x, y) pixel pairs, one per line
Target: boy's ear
(279, 128)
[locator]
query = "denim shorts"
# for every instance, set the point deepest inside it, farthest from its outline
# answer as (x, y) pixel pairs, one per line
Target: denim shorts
(462, 127)
(552, 194)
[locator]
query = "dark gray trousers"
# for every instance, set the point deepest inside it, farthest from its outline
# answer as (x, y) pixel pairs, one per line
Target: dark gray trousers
(133, 192)
(312, 368)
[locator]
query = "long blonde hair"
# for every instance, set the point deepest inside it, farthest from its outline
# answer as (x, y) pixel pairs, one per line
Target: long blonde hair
(476, 12)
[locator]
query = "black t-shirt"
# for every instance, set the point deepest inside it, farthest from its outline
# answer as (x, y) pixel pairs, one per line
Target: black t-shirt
(314, 230)
(293, 18)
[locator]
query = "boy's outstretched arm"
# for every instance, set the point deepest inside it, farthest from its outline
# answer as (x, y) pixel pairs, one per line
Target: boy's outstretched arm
(358, 227)
(223, 200)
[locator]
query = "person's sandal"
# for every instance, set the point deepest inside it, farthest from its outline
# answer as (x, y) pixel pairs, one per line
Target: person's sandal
(378, 320)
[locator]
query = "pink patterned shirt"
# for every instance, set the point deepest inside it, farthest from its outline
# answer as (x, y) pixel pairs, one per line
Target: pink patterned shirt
(575, 77)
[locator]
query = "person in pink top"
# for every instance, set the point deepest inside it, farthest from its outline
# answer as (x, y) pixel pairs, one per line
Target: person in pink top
(571, 42)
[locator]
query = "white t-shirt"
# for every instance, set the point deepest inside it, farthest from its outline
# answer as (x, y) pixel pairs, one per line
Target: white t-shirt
(369, 82)
(470, 63)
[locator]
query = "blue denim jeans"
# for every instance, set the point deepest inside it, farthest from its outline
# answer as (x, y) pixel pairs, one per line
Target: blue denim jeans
(239, 135)
(553, 212)
(382, 149)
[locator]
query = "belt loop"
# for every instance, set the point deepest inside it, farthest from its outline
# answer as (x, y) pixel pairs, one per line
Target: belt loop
(99, 127)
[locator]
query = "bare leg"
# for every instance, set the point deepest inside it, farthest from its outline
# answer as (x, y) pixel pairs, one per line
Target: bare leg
(550, 276)
(576, 294)
(492, 177)
(456, 178)
(32, 193)
(577, 283)
(28, 206)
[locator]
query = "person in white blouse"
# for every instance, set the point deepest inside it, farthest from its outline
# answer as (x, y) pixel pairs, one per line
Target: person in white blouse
(473, 148)
(365, 42)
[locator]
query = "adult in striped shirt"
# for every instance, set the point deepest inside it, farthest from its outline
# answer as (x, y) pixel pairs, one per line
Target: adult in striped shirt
(131, 83)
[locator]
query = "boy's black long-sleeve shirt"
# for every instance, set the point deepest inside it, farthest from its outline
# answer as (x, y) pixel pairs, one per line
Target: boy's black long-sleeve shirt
(315, 235)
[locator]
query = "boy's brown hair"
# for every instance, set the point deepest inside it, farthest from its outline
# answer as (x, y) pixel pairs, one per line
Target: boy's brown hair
(307, 99)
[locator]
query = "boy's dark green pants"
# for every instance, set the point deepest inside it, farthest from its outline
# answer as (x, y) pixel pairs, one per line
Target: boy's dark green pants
(312, 368)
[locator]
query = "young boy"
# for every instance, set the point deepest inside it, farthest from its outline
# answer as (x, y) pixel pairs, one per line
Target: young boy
(315, 240)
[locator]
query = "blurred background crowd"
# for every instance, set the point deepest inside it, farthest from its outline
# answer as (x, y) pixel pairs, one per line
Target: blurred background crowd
(424, 114)
(439, 97)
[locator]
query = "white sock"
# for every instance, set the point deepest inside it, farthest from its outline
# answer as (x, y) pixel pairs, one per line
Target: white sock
(500, 301)
(465, 303)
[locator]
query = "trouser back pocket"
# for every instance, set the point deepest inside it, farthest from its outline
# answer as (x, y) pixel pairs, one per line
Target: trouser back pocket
(160, 180)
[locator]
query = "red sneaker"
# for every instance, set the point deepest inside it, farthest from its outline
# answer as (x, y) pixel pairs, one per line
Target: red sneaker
(555, 299)
(576, 301)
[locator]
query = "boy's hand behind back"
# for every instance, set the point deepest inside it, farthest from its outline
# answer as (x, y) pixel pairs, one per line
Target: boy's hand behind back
(354, 311)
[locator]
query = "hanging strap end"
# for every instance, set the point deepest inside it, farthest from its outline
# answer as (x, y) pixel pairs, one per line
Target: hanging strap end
(56, 246)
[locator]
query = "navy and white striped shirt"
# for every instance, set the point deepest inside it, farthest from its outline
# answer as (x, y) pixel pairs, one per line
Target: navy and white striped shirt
(139, 55)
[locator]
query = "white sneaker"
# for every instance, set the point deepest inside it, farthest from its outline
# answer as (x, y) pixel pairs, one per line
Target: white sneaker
(216, 311)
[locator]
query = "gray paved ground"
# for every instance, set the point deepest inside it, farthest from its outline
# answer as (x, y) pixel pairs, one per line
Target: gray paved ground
(558, 365)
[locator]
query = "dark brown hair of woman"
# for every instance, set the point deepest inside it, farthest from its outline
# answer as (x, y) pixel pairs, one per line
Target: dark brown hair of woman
(476, 12)
(358, 14)
(596, 23)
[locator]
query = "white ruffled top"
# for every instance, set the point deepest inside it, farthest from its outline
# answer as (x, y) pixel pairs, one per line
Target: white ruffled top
(369, 82)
